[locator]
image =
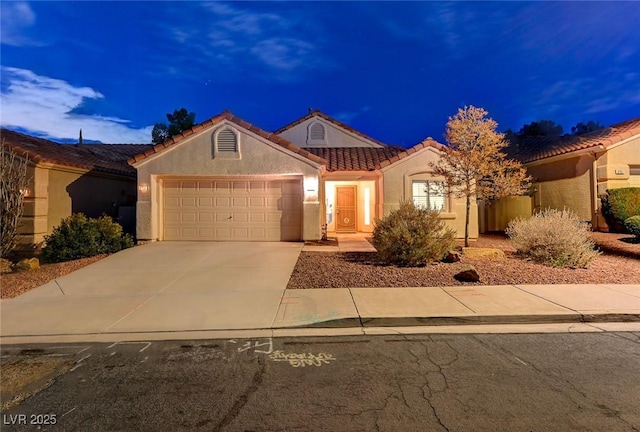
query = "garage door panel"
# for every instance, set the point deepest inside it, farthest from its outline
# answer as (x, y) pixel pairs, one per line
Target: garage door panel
(241, 210)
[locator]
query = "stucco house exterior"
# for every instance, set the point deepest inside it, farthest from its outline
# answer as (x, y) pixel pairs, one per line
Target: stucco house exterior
(94, 179)
(575, 171)
(226, 179)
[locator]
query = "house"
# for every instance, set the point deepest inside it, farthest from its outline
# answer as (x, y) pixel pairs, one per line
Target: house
(226, 179)
(94, 179)
(575, 171)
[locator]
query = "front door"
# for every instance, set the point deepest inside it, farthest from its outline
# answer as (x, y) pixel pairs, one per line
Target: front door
(346, 208)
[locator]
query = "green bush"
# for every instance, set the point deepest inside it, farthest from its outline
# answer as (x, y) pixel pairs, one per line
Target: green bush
(80, 237)
(553, 237)
(412, 236)
(632, 225)
(618, 205)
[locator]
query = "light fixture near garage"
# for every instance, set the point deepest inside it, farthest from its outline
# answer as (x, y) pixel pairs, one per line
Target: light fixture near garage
(143, 187)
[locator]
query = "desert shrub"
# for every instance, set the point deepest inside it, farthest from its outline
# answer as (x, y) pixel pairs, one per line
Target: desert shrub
(553, 237)
(80, 237)
(412, 236)
(619, 205)
(632, 226)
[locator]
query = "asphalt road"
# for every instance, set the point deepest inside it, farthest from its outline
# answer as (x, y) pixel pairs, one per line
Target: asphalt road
(533, 382)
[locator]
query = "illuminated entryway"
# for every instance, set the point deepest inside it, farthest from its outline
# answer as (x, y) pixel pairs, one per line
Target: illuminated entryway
(350, 206)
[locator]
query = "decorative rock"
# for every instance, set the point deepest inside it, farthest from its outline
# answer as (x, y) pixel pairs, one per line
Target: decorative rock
(6, 266)
(486, 253)
(451, 257)
(467, 274)
(27, 264)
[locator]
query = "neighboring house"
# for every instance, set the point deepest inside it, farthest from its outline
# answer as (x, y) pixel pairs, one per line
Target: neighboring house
(94, 179)
(575, 171)
(226, 179)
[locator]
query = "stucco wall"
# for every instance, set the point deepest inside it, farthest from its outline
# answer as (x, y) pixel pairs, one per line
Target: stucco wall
(90, 193)
(397, 181)
(195, 157)
(335, 136)
(500, 213)
(33, 224)
(613, 166)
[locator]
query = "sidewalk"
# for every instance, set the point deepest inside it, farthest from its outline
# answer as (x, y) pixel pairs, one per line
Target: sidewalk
(320, 312)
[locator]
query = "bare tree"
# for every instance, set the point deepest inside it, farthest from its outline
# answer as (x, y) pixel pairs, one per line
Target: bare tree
(13, 185)
(473, 163)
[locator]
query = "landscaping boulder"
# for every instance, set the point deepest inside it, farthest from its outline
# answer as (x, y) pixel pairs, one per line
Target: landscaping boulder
(27, 264)
(486, 253)
(452, 256)
(6, 266)
(467, 274)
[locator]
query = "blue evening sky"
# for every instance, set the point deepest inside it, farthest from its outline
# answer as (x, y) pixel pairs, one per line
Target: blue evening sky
(393, 70)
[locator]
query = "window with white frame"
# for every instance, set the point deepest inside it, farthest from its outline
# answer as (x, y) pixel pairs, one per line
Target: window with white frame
(429, 194)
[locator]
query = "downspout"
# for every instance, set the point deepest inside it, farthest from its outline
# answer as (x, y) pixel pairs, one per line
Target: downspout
(594, 182)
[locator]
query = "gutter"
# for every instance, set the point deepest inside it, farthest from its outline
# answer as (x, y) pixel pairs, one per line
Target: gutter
(589, 151)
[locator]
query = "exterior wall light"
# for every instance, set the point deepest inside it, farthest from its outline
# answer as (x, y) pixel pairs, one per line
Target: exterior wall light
(143, 187)
(25, 191)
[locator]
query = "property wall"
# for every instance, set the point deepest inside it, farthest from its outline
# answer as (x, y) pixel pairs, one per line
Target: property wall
(195, 156)
(498, 214)
(565, 184)
(397, 181)
(91, 193)
(335, 136)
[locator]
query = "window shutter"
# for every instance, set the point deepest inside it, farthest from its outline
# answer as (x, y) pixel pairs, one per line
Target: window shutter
(227, 141)
(316, 132)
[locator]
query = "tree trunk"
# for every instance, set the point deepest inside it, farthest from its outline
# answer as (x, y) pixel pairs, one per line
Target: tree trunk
(466, 222)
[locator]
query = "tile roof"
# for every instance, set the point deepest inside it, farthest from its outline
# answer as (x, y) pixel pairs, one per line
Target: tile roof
(226, 115)
(338, 123)
(530, 149)
(108, 158)
(367, 158)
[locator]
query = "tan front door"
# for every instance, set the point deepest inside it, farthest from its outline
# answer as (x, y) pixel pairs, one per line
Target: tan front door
(346, 208)
(232, 209)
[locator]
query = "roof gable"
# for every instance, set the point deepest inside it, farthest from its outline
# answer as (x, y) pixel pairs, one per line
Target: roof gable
(531, 149)
(108, 158)
(228, 116)
(351, 133)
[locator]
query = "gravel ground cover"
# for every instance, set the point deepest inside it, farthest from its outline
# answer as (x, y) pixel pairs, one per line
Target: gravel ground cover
(346, 270)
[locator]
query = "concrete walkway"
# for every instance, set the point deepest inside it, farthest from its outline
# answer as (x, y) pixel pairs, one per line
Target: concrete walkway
(346, 243)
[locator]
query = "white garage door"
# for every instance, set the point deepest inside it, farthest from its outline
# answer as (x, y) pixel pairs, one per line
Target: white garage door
(232, 210)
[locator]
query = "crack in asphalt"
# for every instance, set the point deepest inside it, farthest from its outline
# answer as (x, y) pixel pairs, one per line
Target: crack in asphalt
(244, 397)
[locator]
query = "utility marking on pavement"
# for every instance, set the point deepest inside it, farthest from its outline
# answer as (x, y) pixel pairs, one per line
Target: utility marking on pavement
(83, 350)
(520, 361)
(302, 359)
(57, 355)
(148, 344)
(255, 344)
(68, 412)
(145, 359)
(78, 363)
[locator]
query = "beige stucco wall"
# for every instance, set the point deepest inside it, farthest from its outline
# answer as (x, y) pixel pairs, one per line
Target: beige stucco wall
(565, 184)
(499, 213)
(335, 136)
(613, 166)
(91, 193)
(397, 186)
(33, 225)
(194, 157)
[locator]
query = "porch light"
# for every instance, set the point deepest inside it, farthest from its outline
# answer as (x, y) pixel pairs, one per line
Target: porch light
(143, 187)
(25, 191)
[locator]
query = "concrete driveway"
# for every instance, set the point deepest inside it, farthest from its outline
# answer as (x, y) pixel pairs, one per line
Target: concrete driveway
(166, 286)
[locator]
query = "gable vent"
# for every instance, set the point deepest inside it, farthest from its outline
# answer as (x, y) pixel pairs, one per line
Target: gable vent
(316, 132)
(227, 141)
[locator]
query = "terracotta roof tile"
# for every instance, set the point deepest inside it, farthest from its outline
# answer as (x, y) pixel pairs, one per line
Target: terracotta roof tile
(331, 120)
(530, 149)
(227, 115)
(109, 158)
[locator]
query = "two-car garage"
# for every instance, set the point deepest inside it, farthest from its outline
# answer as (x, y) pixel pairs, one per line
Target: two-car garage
(232, 209)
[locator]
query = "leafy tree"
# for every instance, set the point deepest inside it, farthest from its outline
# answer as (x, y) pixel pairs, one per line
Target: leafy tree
(180, 121)
(13, 182)
(541, 128)
(474, 164)
(590, 126)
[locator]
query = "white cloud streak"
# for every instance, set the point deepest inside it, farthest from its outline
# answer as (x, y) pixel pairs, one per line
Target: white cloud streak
(15, 19)
(44, 106)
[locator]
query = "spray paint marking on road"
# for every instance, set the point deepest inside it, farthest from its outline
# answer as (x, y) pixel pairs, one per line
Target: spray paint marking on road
(146, 344)
(303, 359)
(78, 363)
(255, 344)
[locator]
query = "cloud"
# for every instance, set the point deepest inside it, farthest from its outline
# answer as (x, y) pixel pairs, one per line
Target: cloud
(349, 116)
(268, 45)
(44, 106)
(15, 19)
